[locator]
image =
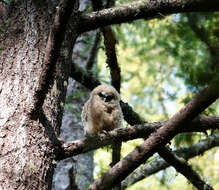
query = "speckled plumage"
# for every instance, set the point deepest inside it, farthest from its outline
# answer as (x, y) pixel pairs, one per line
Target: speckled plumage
(102, 111)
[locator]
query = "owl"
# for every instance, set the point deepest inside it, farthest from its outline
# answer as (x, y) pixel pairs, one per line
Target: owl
(102, 111)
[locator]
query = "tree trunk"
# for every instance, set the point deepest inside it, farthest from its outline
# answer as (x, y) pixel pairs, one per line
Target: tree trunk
(80, 166)
(27, 148)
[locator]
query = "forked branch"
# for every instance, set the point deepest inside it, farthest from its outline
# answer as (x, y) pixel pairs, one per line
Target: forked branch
(157, 139)
(200, 124)
(158, 164)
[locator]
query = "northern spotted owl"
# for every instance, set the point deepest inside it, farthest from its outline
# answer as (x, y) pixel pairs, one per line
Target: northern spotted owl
(102, 111)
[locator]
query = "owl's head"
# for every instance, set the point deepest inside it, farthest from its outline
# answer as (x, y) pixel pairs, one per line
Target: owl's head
(106, 93)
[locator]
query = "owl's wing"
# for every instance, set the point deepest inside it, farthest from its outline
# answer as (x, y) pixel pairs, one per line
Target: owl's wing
(84, 117)
(84, 114)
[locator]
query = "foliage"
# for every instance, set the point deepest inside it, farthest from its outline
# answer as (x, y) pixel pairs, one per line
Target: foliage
(163, 64)
(3, 1)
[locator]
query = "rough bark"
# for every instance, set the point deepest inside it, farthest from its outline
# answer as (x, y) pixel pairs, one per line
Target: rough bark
(27, 146)
(52, 52)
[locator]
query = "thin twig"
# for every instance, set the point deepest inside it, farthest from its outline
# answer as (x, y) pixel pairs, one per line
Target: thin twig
(93, 51)
(110, 48)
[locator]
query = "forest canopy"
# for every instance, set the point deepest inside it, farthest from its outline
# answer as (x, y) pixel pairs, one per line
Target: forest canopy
(169, 61)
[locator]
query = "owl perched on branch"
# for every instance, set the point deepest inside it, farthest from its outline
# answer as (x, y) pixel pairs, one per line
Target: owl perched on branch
(102, 111)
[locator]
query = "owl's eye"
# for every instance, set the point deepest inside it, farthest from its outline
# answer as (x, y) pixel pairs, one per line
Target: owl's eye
(109, 98)
(101, 95)
(106, 97)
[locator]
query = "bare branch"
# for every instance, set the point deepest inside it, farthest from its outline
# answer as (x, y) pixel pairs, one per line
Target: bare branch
(83, 77)
(110, 49)
(163, 150)
(142, 10)
(110, 45)
(159, 164)
(93, 51)
(200, 124)
(184, 168)
(52, 52)
(157, 139)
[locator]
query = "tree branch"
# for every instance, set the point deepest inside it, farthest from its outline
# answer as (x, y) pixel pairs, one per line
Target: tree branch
(142, 10)
(110, 45)
(83, 77)
(190, 170)
(159, 163)
(93, 51)
(157, 139)
(184, 168)
(110, 48)
(200, 124)
(52, 52)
